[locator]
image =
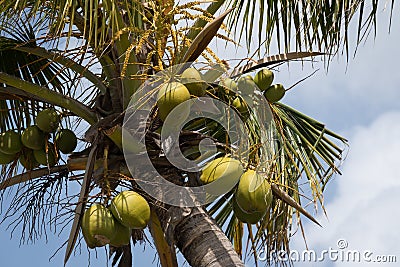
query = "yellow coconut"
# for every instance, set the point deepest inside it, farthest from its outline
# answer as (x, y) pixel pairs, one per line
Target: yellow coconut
(221, 168)
(246, 85)
(122, 235)
(264, 79)
(171, 95)
(33, 138)
(66, 141)
(131, 210)
(98, 226)
(244, 216)
(10, 143)
(48, 120)
(253, 193)
(275, 93)
(193, 81)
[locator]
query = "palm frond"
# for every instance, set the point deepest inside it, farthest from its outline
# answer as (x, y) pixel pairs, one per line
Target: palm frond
(302, 149)
(80, 207)
(320, 25)
(50, 96)
(31, 175)
(34, 202)
(313, 146)
(272, 60)
(165, 251)
(96, 20)
(17, 112)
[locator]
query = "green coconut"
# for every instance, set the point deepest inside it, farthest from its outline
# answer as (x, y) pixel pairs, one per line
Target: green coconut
(171, 95)
(263, 79)
(50, 158)
(242, 107)
(10, 143)
(253, 193)
(131, 210)
(122, 235)
(275, 93)
(246, 85)
(221, 168)
(229, 85)
(244, 216)
(6, 158)
(33, 138)
(98, 226)
(27, 159)
(66, 141)
(193, 81)
(48, 120)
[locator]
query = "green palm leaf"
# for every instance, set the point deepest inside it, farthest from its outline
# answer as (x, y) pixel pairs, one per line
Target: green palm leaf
(323, 25)
(304, 149)
(17, 110)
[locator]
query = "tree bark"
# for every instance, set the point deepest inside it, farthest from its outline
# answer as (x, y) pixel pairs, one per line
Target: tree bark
(198, 237)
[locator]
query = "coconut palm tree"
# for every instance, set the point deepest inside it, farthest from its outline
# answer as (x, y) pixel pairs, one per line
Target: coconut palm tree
(87, 58)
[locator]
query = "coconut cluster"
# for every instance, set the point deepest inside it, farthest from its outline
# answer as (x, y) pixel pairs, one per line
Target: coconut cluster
(191, 83)
(262, 81)
(34, 147)
(253, 196)
(113, 225)
(241, 90)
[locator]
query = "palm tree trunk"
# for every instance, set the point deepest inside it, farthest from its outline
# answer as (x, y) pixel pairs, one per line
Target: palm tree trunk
(198, 237)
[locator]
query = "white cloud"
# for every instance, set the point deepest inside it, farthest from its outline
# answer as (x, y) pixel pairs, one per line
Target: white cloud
(364, 207)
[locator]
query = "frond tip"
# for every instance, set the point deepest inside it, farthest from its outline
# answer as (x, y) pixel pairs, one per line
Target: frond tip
(310, 25)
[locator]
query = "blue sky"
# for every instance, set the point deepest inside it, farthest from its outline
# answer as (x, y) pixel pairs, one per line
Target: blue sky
(360, 100)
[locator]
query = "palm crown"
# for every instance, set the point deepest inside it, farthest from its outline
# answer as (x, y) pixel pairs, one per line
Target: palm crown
(88, 58)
